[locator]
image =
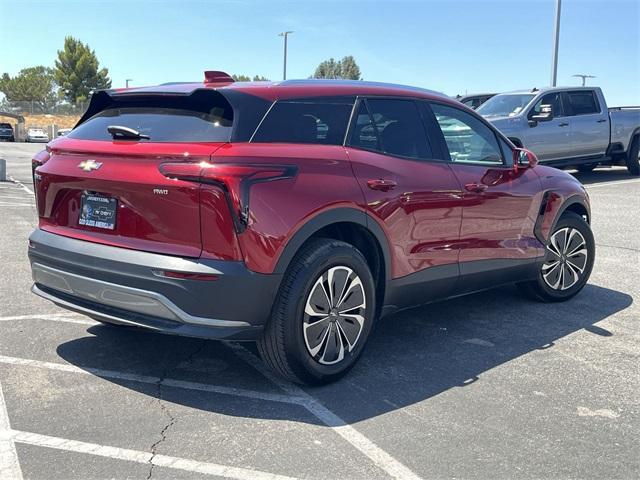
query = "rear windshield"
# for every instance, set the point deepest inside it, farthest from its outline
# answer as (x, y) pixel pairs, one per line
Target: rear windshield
(317, 121)
(203, 118)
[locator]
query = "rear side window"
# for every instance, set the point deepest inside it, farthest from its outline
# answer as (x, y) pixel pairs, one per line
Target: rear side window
(200, 117)
(392, 126)
(583, 102)
(316, 121)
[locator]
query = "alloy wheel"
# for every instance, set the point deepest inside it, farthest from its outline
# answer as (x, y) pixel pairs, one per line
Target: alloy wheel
(334, 315)
(566, 259)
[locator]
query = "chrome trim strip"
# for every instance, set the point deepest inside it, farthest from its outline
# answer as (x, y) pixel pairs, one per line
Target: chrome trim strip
(119, 296)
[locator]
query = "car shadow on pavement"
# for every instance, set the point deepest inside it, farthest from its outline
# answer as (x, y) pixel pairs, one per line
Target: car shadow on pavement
(411, 356)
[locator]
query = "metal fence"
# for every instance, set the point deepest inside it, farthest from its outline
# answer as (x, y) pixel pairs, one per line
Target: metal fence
(43, 108)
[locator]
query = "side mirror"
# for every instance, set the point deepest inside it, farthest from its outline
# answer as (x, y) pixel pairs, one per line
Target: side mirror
(523, 158)
(545, 115)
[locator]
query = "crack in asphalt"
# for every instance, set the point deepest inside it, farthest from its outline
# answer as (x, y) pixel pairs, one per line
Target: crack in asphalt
(163, 407)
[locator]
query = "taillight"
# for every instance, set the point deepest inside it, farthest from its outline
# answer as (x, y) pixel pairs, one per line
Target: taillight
(39, 158)
(235, 179)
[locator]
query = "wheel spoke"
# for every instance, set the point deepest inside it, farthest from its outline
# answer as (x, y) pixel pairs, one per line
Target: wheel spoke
(566, 259)
(334, 315)
(318, 304)
(353, 297)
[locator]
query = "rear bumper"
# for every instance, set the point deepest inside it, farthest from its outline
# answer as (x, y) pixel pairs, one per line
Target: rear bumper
(123, 286)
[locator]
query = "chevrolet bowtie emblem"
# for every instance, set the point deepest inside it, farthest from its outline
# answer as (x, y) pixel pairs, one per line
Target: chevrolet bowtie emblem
(89, 165)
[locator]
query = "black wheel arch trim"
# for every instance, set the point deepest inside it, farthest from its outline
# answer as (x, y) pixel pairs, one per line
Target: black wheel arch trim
(572, 200)
(325, 219)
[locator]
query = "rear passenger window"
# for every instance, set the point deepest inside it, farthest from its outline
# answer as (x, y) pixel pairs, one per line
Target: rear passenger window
(583, 102)
(316, 121)
(393, 127)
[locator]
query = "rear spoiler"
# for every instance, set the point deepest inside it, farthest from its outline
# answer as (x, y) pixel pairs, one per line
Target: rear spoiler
(103, 99)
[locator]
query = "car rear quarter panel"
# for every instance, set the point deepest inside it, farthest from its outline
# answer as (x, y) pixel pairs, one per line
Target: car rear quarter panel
(278, 209)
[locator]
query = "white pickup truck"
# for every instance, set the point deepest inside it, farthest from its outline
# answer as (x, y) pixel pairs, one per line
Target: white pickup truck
(568, 126)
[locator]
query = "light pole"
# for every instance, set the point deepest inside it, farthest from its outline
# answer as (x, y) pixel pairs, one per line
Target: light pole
(556, 40)
(285, 35)
(127, 81)
(583, 77)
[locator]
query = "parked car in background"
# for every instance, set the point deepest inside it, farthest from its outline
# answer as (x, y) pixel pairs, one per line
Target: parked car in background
(474, 101)
(294, 214)
(568, 126)
(63, 131)
(6, 132)
(36, 135)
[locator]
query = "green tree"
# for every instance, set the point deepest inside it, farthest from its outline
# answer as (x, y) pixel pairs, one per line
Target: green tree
(246, 78)
(78, 71)
(33, 84)
(328, 69)
(347, 68)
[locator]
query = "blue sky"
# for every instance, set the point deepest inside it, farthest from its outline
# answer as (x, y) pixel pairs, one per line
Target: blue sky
(449, 46)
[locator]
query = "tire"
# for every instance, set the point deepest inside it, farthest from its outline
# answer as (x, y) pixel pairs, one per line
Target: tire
(301, 348)
(586, 167)
(571, 272)
(633, 162)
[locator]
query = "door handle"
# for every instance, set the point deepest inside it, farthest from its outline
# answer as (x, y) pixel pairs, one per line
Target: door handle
(602, 120)
(563, 124)
(381, 184)
(475, 187)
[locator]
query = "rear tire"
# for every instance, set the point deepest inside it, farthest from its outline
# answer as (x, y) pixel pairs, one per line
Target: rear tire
(309, 339)
(570, 254)
(633, 162)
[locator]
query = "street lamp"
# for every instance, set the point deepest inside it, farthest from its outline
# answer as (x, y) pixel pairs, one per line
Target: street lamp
(285, 35)
(583, 77)
(556, 40)
(127, 81)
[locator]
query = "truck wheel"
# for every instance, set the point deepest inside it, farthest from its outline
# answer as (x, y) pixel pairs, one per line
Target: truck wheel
(633, 162)
(586, 167)
(323, 314)
(570, 253)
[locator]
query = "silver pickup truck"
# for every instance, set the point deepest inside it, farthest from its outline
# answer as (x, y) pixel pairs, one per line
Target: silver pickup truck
(568, 126)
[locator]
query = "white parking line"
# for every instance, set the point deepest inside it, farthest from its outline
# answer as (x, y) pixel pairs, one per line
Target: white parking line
(377, 455)
(16, 204)
(60, 317)
(166, 382)
(10, 466)
(293, 395)
(143, 457)
(20, 184)
(9, 463)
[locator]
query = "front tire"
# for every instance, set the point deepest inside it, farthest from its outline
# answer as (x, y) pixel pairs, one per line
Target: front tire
(633, 162)
(323, 314)
(570, 253)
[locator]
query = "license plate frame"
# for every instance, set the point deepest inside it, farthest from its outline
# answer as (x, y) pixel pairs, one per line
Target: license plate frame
(98, 211)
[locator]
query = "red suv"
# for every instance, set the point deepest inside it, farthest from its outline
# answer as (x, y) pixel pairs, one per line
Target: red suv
(294, 214)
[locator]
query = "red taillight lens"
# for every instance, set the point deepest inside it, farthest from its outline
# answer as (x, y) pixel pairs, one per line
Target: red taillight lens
(235, 178)
(185, 275)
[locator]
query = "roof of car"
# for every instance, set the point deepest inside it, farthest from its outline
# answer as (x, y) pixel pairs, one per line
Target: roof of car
(289, 89)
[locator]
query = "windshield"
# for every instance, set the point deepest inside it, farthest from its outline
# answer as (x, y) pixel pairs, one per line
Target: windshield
(505, 105)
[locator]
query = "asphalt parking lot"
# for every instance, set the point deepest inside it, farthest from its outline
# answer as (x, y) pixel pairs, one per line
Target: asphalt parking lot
(487, 386)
